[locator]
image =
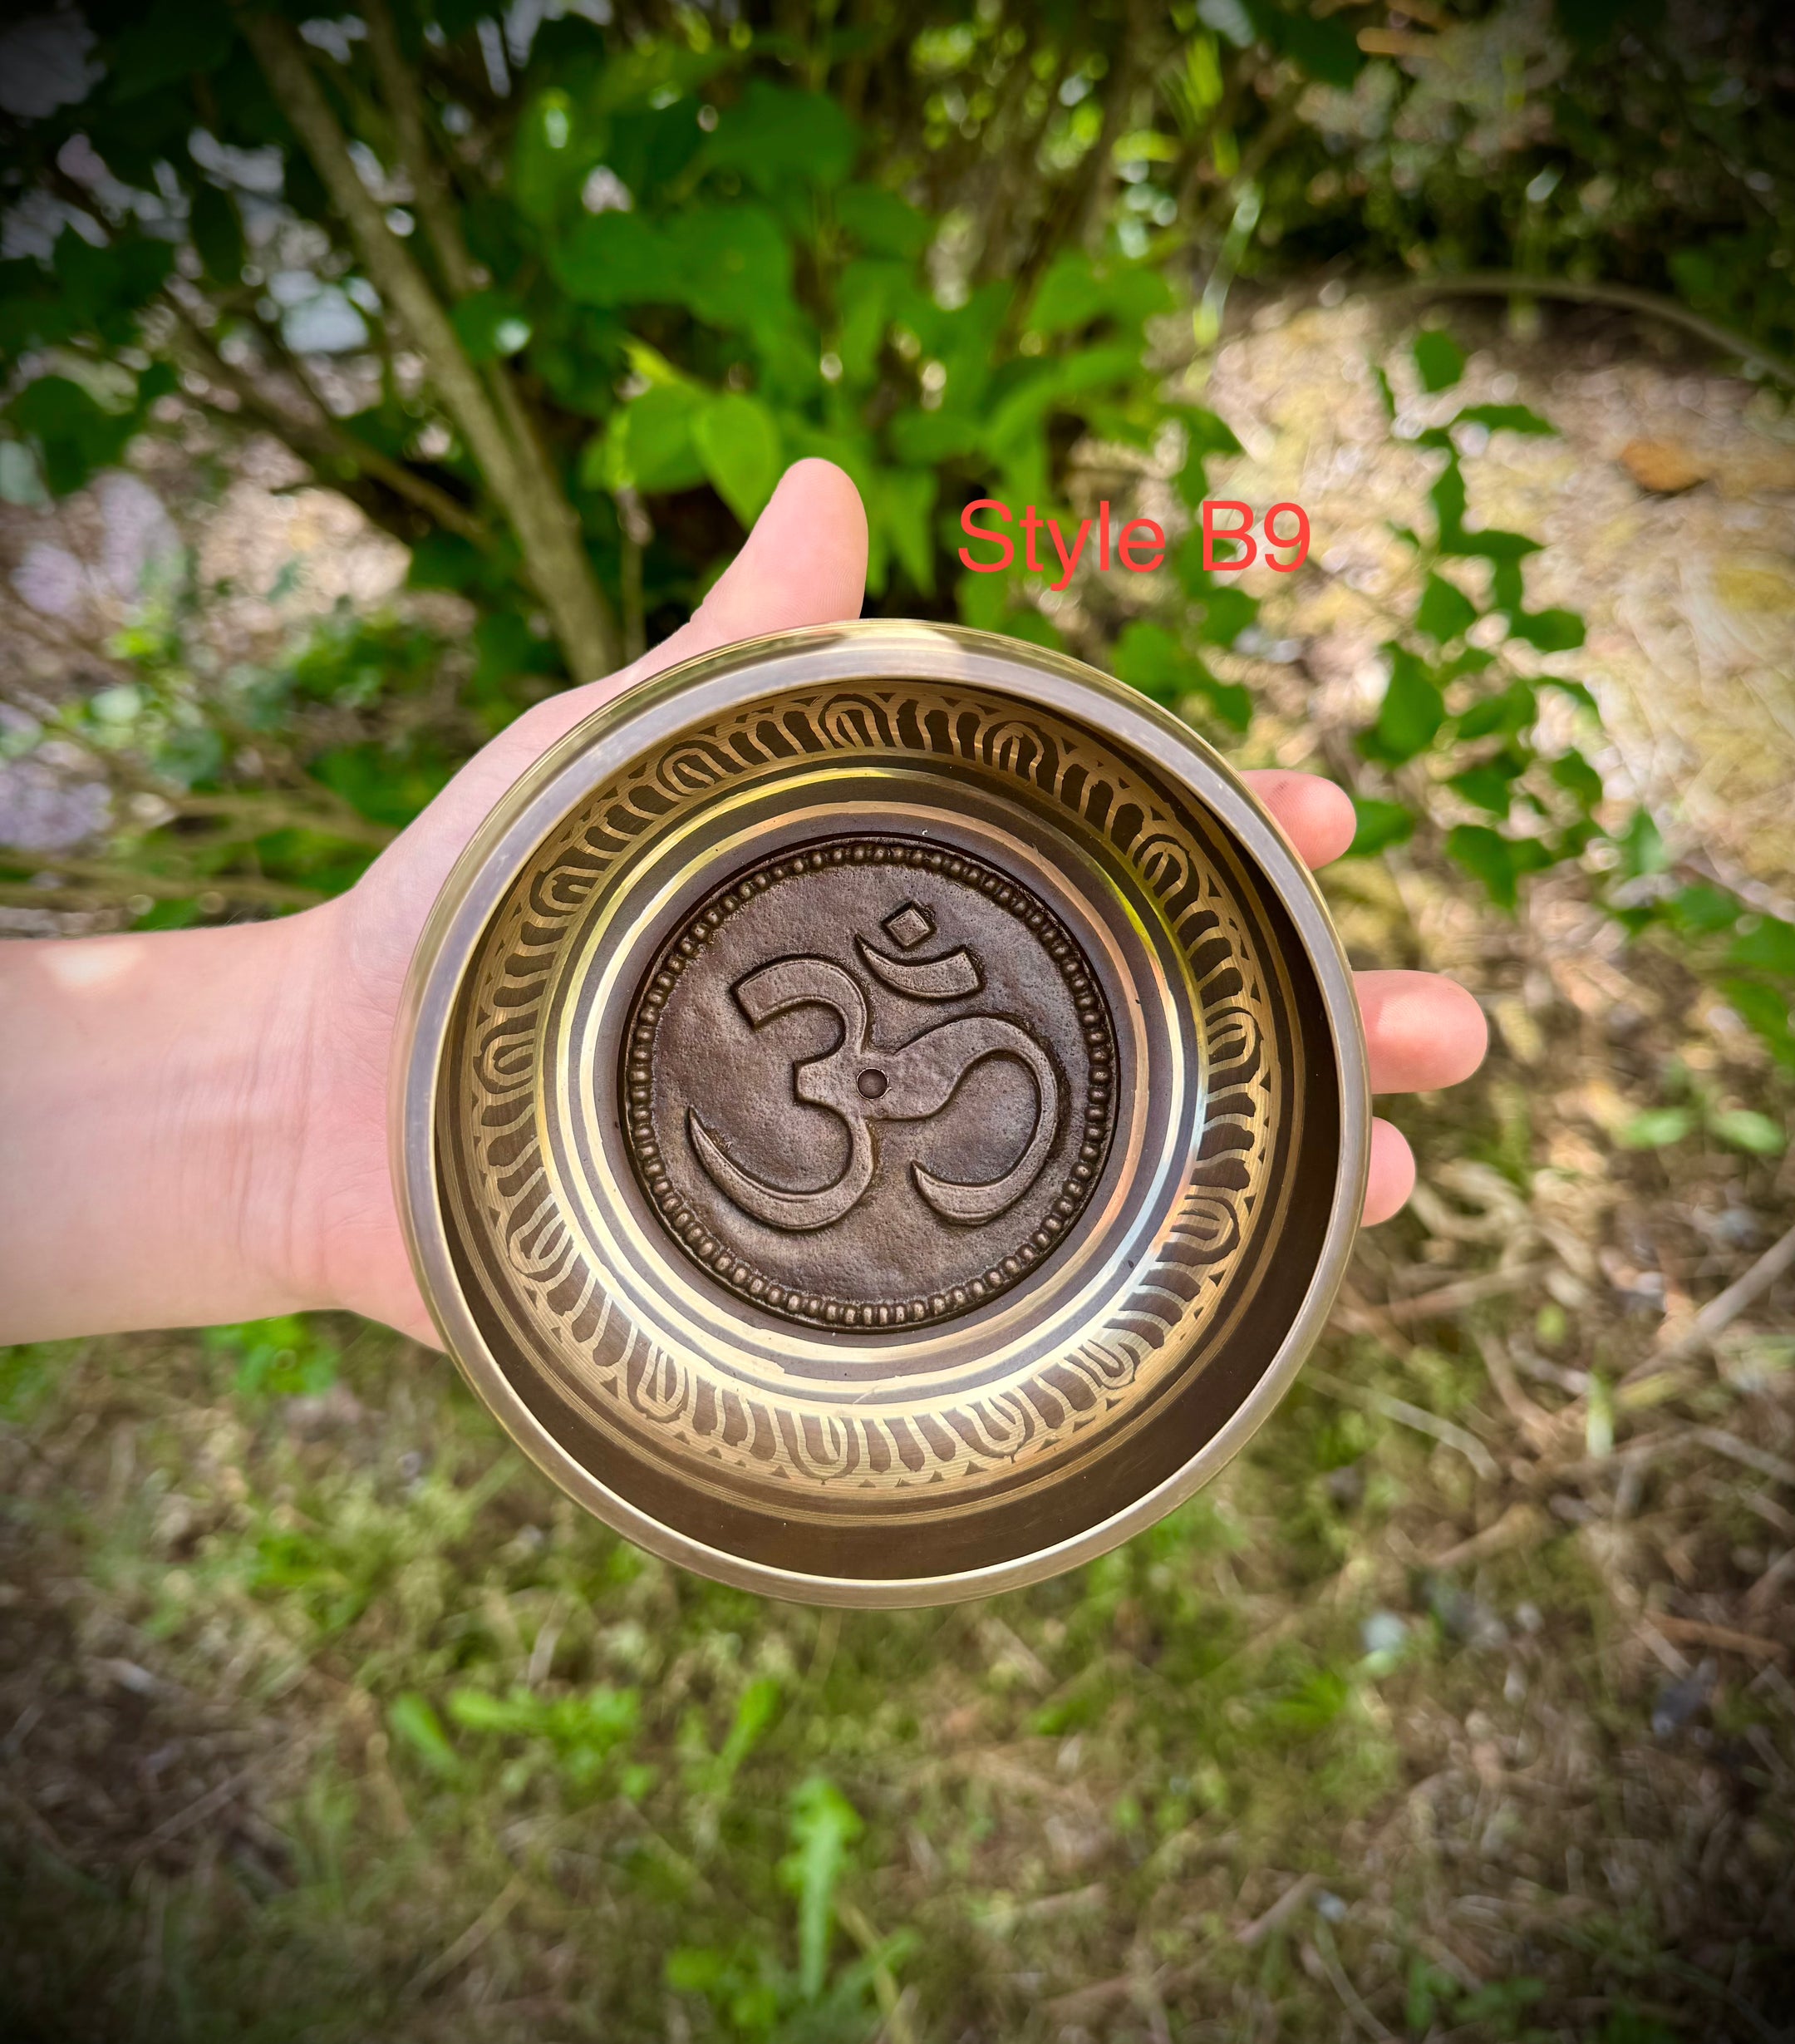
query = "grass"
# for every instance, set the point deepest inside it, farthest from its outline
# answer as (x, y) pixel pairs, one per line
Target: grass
(1458, 1708)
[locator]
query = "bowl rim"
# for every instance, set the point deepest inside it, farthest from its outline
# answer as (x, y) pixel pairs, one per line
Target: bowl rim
(655, 709)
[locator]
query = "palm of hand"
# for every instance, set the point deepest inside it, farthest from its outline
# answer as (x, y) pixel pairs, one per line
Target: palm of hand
(804, 563)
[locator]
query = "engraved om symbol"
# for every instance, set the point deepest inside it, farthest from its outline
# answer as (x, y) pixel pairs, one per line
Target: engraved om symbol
(860, 1082)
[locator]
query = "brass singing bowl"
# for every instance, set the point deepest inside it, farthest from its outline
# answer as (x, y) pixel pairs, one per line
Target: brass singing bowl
(880, 1114)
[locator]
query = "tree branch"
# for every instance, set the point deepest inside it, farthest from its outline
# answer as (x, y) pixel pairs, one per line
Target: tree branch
(319, 442)
(1626, 298)
(534, 505)
(434, 201)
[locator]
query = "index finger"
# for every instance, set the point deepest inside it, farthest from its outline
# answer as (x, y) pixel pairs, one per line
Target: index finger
(1315, 816)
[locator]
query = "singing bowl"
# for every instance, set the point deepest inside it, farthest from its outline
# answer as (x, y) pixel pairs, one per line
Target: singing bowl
(880, 1114)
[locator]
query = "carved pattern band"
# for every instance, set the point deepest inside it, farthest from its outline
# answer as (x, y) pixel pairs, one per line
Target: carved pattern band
(532, 1273)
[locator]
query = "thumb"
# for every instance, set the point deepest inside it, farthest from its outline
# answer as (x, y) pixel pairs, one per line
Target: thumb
(804, 562)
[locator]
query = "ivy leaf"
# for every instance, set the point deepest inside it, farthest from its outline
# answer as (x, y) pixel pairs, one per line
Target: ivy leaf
(738, 441)
(1445, 611)
(1380, 825)
(1438, 359)
(1411, 714)
(1500, 863)
(1745, 1128)
(1075, 291)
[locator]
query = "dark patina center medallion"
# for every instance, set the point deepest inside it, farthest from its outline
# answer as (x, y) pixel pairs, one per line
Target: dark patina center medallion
(870, 1083)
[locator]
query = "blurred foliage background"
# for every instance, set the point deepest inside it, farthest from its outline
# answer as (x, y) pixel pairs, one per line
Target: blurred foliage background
(329, 1721)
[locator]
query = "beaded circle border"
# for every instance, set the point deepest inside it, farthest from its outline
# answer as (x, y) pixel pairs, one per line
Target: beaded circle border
(722, 1262)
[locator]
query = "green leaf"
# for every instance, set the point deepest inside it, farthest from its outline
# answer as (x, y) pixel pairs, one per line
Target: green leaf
(1380, 825)
(649, 443)
(1490, 785)
(106, 287)
(492, 325)
(1500, 863)
(176, 39)
(1324, 48)
(554, 150)
(1075, 291)
(1745, 1129)
(1206, 434)
(1505, 419)
(616, 258)
(216, 231)
(1510, 712)
(1411, 714)
(1438, 359)
(1703, 910)
(1656, 1128)
(1767, 1011)
(824, 1826)
(1147, 656)
(1768, 944)
(1552, 631)
(738, 441)
(776, 136)
(883, 223)
(478, 1709)
(660, 69)
(901, 508)
(412, 1721)
(1579, 780)
(1445, 611)
(734, 268)
(1447, 497)
(75, 435)
(1642, 849)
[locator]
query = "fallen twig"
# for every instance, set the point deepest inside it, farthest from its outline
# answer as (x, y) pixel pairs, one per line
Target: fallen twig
(1449, 1298)
(1722, 1311)
(1406, 1415)
(471, 1939)
(1281, 1912)
(1698, 1633)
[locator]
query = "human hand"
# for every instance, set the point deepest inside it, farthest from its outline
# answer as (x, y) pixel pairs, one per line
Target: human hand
(251, 1177)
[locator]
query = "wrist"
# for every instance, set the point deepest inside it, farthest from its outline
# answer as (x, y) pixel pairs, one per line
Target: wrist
(153, 1111)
